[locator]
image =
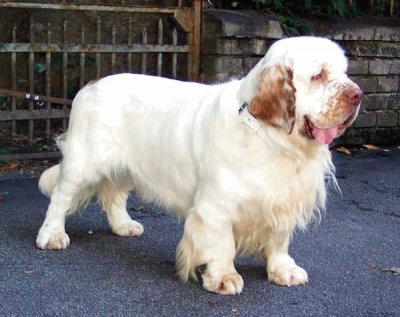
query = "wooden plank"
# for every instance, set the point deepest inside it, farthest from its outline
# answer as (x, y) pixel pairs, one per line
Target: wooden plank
(91, 48)
(113, 41)
(160, 41)
(65, 69)
(78, 7)
(31, 78)
(174, 55)
(24, 95)
(98, 41)
(189, 38)
(391, 7)
(14, 80)
(195, 64)
(82, 60)
(34, 114)
(144, 54)
(29, 156)
(48, 79)
(130, 40)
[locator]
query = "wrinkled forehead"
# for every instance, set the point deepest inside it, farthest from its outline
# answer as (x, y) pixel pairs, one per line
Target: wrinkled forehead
(308, 55)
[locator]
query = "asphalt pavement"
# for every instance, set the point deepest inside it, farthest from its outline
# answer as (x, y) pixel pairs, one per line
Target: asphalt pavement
(348, 257)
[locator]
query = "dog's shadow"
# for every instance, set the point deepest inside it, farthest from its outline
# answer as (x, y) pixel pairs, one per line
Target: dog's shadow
(100, 247)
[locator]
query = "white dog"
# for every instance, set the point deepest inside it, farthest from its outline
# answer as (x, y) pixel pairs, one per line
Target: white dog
(243, 162)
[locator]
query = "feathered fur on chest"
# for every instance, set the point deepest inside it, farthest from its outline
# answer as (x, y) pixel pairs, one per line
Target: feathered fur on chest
(290, 192)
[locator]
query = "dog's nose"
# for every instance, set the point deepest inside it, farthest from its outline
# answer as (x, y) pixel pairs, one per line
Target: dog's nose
(353, 94)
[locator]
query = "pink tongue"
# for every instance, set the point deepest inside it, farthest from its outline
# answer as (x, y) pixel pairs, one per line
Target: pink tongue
(324, 136)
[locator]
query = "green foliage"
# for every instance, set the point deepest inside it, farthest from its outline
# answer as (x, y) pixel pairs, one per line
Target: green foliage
(39, 68)
(342, 8)
(319, 7)
(5, 102)
(287, 11)
(293, 26)
(378, 6)
(4, 151)
(73, 62)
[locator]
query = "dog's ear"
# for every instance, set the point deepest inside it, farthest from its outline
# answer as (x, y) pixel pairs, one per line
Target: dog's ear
(274, 102)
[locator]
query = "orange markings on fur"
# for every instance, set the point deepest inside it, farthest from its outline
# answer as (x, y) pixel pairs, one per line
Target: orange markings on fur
(274, 102)
(339, 108)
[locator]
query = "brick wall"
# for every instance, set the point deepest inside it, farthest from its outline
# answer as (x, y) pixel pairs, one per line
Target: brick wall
(234, 41)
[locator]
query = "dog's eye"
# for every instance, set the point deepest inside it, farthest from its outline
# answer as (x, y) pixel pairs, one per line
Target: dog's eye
(317, 77)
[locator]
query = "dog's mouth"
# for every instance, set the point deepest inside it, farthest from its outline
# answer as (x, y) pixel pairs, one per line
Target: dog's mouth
(326, 135)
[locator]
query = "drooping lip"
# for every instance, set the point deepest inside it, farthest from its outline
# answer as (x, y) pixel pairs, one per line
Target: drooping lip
(308, 127)
(326, 135)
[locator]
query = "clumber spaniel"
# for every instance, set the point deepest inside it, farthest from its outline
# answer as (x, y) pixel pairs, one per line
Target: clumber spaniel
(244, 162)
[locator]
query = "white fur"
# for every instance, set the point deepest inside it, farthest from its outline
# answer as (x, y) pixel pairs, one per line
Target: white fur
(183, 146)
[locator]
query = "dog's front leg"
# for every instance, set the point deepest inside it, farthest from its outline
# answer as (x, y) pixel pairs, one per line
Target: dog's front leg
(281, 267)
(208, 242)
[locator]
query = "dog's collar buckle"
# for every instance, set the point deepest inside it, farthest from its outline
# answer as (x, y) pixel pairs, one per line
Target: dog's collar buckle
(252, 122)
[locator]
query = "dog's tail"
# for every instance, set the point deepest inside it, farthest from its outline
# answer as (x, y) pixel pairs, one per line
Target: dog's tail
(49, 179)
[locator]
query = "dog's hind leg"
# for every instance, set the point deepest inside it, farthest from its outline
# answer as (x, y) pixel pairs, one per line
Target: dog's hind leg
(66, 196)
(112, 198)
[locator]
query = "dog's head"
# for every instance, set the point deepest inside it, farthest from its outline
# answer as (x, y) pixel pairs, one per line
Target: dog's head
(302, 84)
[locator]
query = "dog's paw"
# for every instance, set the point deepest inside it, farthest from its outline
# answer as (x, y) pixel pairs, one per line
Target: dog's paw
(53, 238)
(129, 229)
(289, 276)
(284, 271)
(226, 284)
